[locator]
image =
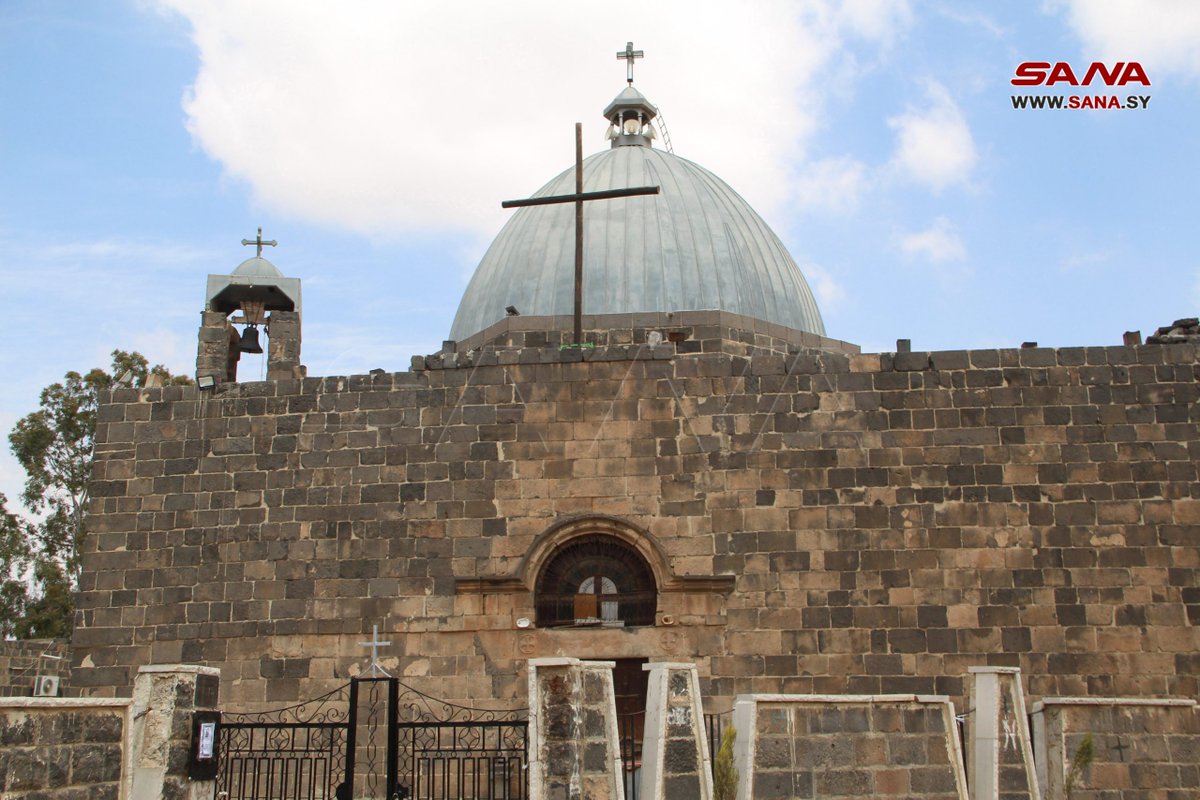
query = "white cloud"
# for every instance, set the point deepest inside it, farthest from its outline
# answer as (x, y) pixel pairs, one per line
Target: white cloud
(937, 243)
(403, 118)
(879, 20)
(341, 351)
(166, 346)
(1163, 35)
(975, 19)
(832, 184)
(1085, 260)
(829, 292)
(934, 146)
(118, 249)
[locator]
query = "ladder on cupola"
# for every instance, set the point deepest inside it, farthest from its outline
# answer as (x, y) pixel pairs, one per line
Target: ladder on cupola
(666, 137)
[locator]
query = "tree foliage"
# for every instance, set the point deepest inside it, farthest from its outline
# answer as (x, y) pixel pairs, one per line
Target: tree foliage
(725, 774)
(15, 557)
(54, 445)
(1084, 755)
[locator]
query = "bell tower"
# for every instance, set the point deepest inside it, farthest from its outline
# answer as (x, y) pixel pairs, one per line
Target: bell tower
(259, 295)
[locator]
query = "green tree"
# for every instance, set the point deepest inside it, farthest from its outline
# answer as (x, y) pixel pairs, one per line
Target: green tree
(49, 614)
(54, 445)
(725, 774)
(15, 556)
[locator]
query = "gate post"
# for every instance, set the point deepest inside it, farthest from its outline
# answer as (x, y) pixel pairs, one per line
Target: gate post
(393, 740)
(351, 735)
(574, 747)
(164, 699)
(378, 695)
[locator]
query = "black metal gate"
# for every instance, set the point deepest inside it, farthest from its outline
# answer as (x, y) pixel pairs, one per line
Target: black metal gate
(448, 751)
(374, 738)
(297, 752)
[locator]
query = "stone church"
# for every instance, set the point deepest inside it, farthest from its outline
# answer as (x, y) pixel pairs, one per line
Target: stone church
(706, 477)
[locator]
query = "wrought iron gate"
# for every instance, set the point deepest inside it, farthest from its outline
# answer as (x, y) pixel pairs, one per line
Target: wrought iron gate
(296, 752)
(447, 750)
(374, 738)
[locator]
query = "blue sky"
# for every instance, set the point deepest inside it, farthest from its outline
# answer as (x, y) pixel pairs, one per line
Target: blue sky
(141, 141)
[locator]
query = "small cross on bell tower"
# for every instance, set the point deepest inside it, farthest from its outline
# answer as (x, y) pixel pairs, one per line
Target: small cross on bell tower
(628, 55)
(260, 242)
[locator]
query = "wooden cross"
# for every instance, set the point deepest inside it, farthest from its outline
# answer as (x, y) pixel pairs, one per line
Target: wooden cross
(374, 644)
(629, 54)
(260, 242)
(579, 198)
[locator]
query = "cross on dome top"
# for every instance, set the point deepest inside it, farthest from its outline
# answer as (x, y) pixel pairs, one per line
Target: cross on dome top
(628, 55)
(260, 242)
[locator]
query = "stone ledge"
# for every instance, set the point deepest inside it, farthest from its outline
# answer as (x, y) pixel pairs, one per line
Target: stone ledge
(1113, 701)
(858, 699)
(65, 702)
(187, 669)
(721, 584)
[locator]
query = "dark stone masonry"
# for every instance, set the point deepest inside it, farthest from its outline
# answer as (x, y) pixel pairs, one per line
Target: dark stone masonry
(869, 748)
(816, 520)
(64, 753)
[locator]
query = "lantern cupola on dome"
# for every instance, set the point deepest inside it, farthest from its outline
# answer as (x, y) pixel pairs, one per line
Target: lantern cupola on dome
(694, 246)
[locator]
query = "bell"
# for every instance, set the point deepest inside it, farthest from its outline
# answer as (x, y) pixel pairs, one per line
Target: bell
(249, 341)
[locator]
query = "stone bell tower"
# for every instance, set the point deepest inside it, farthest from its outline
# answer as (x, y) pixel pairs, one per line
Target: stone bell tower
(264, 297)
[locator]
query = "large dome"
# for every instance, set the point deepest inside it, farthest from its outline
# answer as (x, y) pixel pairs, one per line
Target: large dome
(695, 246)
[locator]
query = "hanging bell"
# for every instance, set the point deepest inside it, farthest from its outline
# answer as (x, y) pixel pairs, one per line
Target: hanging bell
(249, 341)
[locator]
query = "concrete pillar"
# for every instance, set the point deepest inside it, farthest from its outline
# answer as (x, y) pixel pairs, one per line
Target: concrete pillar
(675, 758)
(745, 722)
(164, 698)
(999, 747)
(574, 750)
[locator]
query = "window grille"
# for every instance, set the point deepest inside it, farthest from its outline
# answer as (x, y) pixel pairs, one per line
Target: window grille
(596, 581)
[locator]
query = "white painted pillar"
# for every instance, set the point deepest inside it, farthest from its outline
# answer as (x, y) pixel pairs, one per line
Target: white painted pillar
(675, 757)
(998, 736)
(745, 721)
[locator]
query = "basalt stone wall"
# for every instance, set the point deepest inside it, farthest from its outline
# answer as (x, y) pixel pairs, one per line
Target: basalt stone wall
(678, 332)
(62, 749)
(848, 746)
(21, 662)
(817, 522)
(1136, 749)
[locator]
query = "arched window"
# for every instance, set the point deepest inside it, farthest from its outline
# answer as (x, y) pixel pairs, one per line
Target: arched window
(596, 581)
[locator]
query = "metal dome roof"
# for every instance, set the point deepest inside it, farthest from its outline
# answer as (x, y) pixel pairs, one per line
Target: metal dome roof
(695, 246)
(257, 267)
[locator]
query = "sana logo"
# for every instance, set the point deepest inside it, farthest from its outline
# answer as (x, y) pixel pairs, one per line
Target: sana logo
(1043, 73)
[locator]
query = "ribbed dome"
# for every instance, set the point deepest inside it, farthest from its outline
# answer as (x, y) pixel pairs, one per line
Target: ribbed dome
(695, 246)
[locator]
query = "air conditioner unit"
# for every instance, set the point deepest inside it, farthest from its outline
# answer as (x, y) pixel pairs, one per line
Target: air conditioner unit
(45, 686)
